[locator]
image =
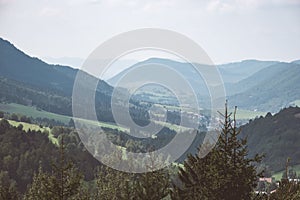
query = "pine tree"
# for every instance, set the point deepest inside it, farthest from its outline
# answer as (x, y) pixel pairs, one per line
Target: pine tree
(198, 179)
(40, 186)
(238, 177)
(287, 191)
(153, 185)
(8, 189)
(225, 173)
(114, 184)
(64, 182)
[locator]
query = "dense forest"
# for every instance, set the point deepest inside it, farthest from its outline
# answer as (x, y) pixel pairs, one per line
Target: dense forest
(33, 167)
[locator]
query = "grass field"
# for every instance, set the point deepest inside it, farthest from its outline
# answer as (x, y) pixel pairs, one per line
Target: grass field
(278, 175)
(34, 113)
(27, 126)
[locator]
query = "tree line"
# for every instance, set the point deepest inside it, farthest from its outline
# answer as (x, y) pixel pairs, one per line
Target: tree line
(226, 172)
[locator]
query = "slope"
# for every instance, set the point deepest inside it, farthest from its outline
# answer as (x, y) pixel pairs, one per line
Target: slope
(270, 89)
(278, 137)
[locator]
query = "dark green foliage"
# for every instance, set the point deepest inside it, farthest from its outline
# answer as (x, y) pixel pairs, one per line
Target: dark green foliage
(1, 114)
(14, 117)
(225, 173)
(23, 152)
(277, 137)
(25, 119)
(113, 184)
(153, 185)
(8, 190)
(62, 184)
(287, 191)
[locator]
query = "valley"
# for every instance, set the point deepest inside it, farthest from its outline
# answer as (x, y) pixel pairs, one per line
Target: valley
(36, 102)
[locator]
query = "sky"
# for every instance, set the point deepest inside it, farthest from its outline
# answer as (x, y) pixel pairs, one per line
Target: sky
(228, 30)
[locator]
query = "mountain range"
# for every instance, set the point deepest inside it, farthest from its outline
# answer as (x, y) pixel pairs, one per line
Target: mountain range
(250, 84)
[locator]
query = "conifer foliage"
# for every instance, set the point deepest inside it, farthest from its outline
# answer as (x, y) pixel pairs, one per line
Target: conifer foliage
(64, 182)
(225, 173)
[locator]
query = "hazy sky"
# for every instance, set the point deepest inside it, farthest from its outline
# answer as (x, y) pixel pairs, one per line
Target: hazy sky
(228, 30)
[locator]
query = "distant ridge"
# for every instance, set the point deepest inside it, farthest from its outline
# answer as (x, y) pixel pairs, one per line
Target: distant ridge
(29, 81)
(269, 89)
(17, 65)
(250, 84)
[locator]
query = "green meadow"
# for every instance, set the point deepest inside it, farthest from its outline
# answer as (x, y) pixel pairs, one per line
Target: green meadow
(35, 127)
(278, 175)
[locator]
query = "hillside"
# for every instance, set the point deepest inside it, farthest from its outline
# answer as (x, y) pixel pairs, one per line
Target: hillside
(237, 71)
(276, 136)
(24, 151)
(31, 82)
(18, 66)
(269, 89)
(250, 84)
(231, 72)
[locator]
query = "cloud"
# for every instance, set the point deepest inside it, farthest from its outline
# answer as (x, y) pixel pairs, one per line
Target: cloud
(151, 6)
(5, 2)
(223, 6)
(50, 12)
(220, 6)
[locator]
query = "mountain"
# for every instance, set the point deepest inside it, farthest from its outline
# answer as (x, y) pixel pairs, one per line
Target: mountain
(250, 84)
(296, 61)
(69, 61)
(183, 68)
(276, 136)
(237, 71)
(16, 65)
(256, 79)
(231, 72)
(29, 81)
(268, 89)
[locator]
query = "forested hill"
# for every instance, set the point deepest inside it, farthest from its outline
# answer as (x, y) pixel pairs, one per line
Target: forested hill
(269, 89)
(16, 65)
(277, 136)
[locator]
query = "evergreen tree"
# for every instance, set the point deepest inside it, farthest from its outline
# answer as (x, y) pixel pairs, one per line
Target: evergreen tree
(8, 190)
(40, 187)
(153, 185)
(225, 173)
(64, 182)
(114, 184)
(287, 191)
